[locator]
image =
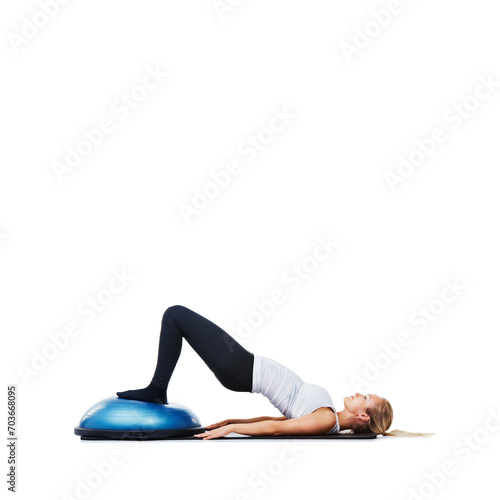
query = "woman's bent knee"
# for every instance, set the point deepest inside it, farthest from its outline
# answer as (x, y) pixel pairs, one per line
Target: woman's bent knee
(173, 313)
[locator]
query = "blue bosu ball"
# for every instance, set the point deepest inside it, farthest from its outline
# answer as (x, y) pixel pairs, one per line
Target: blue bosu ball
(117, 418)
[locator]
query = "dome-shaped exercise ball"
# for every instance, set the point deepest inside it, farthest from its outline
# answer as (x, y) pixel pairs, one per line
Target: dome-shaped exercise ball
(118, 418)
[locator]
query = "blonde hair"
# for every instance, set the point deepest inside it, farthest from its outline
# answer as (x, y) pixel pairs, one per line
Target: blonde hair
(380, 420)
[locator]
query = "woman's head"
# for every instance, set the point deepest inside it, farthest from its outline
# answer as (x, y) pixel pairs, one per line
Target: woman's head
(373, 414)
(369, 413)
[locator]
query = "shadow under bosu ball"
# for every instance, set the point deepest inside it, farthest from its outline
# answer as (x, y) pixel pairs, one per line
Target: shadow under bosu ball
(117, 418)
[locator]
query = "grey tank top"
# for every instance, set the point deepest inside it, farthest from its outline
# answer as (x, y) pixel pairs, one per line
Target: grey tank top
(288, 392)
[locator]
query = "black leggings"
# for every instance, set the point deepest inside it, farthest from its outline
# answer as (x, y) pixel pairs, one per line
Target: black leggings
(231, 363)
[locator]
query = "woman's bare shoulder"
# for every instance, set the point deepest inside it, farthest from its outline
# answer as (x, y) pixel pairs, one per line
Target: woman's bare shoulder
(326, 412)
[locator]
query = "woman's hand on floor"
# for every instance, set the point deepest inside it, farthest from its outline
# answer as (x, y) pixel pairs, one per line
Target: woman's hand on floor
(216, 433)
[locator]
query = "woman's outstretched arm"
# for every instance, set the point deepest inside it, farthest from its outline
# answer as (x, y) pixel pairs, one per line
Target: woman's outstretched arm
(241, 421)
(257, 419)
(263, 428)
(308, 425)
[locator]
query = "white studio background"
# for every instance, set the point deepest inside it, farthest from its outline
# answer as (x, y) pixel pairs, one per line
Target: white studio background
(384, 150)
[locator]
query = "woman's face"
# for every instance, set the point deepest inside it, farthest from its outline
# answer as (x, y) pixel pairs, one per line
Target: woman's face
(358, 403)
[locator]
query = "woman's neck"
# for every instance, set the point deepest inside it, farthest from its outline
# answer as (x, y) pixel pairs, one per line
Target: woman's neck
(345, 419)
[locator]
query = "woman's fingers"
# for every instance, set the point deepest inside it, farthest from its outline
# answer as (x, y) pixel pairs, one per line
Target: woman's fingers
(206, 434)
(214, 426)
(223, 431)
